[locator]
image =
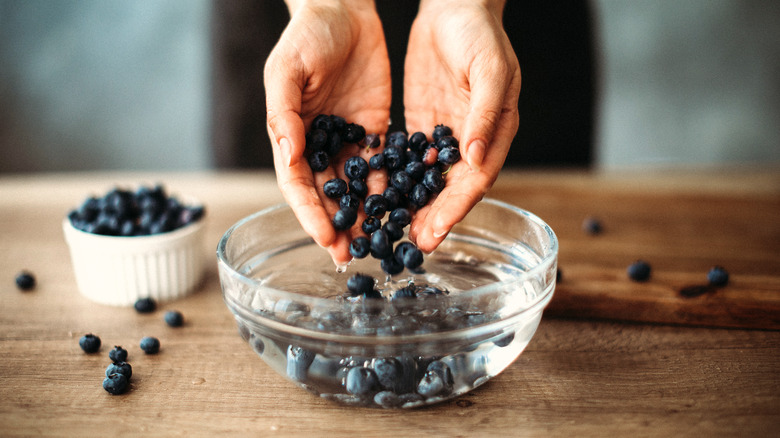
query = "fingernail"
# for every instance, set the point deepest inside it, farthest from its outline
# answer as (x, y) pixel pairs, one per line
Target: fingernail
(437, 234)
(284, 149)
(476, 154)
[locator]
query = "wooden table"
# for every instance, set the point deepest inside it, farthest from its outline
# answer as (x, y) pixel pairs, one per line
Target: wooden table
(611, 357)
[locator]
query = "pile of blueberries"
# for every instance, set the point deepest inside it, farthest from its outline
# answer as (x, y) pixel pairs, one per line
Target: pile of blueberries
(416, 171)
(145, 211)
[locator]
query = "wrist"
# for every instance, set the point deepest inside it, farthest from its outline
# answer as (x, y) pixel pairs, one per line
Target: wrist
(496, 7)
(294, 5)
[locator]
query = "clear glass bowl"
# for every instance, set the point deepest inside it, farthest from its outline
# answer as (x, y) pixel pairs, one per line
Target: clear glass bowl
(480, 298)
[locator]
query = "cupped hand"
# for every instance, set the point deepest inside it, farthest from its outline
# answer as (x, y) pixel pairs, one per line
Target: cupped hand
(461, 71)
(331, 59)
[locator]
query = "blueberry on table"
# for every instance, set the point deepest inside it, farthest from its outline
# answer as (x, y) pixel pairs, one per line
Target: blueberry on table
(150, 345)
(122, 367)
(361, 381)
(25, 280)
(717, 276)
(117, 354)
(145, 305)
(360, 284)
(115, 384)
(356, 168)
(89, 343)
(174, 318)
(344, 219)
(298, 362)
(639, 271)
(335, 188)
(360, 247)
(592, 226)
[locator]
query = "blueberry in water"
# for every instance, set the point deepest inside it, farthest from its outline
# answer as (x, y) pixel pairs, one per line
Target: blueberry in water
(318, 161)
(122, 367)
(358, 188)
(391, 266)
(393, 197)
(639, 271)
(419, 196)
(360, 284)
(415, 169)
(394, 158)
(406, 292)
(388, 372)
(417, 141)
(401, 216)
(371, 224)
(717, 276)
(360, 247)
(344, 219)
(25, 280)
(387, 399)
(334, 144)
(89, 343)
(397, 139)
(353, 133)
(356, 168)
(375, 205)
(505, 340)
(433, 180)
(430, 385)
(377, 161)
(115, 384)
(174, 318)
(381, 246)
(449, 155)
(316, 139)
(117, 354)
(401, 181)
(298, 362)
(443, 371)
(335, 188)
(372, 141)
(349, 202)
(150, 345)
(145, 305)
(360, 381)
(440, 131)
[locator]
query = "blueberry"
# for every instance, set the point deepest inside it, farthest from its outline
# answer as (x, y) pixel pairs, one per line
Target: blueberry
(401, 181)
(174, 318)
(25, 280)
(443, 371)
(371, 224)
(393, 197)
(505, 340)
(639, 271)
(353, 133)
(388, 371)
(415, 169)
(446, 141)
(394, 158)
(412, 258)
(339, 123)
(117, 354)
(298, 362)
(145, 305)
(430, 385)
(115, 384)
(394, 231)
(406, 292)
(433, 180)
(391, 266)
(360, 247)
(375, 205)
(401, 216)
(717, 276)
(356, 168)
(324, 122)
(413, 157)
(334, 144)
(430, 156)
(377, 161)
(120, 367)
(419, 196)
(397, 139)
(360, 381)
(316, 139)
(344, 219)
(150, 345)
(358, 188)
(449, 155)
(335, 188)
(381, 246)
(372, 141)
(591, 225)
(418, 141)
(89, 343)
(440, 131)
(360, 284)
(318, 161)
(387, 399)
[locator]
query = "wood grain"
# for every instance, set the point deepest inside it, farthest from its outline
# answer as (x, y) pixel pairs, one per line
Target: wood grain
(583, 374)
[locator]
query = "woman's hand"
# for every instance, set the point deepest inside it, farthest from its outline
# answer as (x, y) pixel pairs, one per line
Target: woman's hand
(461, 71)
(331, 59)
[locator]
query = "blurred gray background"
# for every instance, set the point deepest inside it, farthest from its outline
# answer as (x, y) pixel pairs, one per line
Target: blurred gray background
(88, 84)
